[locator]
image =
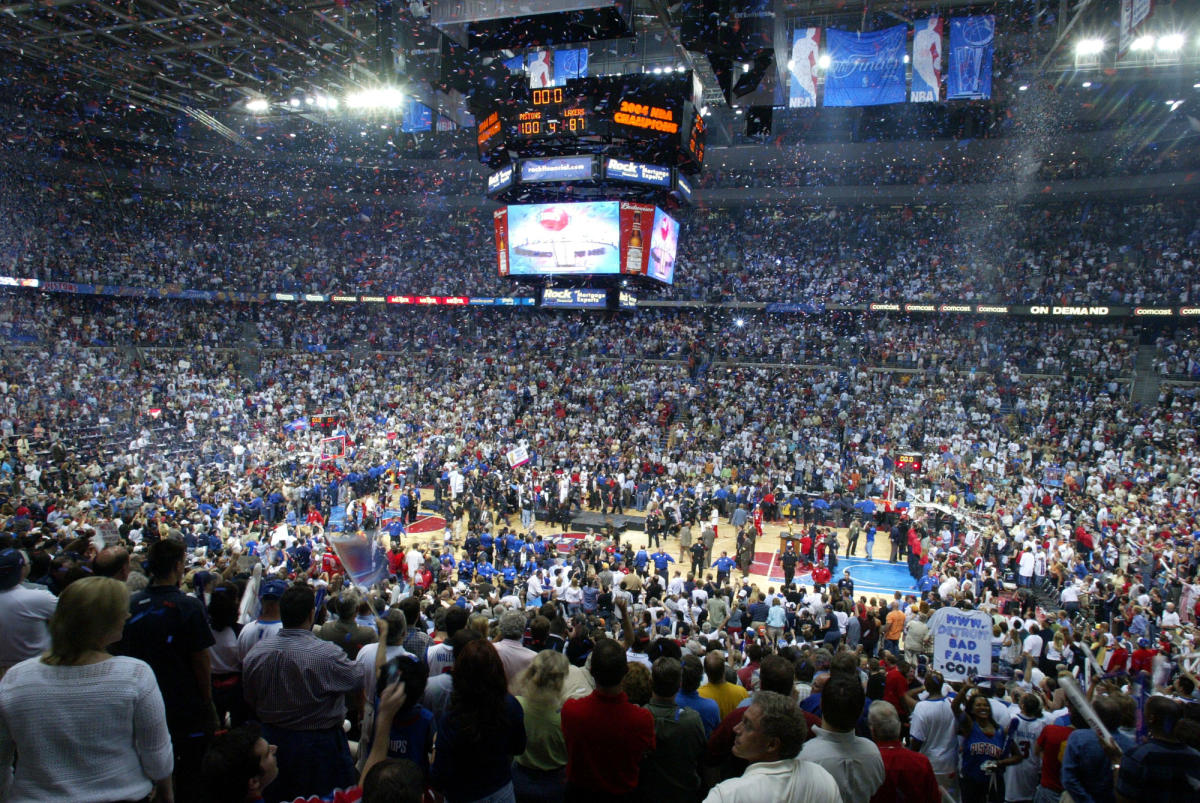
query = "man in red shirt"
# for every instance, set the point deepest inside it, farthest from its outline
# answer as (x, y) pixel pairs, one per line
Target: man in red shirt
(909, 775)
(607, 736)
(895, 684)
(1051, 744)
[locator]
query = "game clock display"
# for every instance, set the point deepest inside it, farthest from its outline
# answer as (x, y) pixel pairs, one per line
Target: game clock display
(552, 112)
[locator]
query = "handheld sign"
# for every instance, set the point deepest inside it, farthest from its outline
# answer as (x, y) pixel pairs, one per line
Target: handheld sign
(962, 643)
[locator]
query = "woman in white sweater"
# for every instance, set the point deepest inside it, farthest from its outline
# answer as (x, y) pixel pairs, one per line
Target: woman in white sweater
(88, 726)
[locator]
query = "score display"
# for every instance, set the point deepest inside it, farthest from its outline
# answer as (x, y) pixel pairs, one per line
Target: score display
(552, 112)
(651, 119)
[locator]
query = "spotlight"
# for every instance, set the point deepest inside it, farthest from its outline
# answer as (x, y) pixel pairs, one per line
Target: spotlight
(1023, 87)
(257, 105)
(1089, 47)
(739, 323)
(1170, 43)
(1087, 84)
(381, 98)
(310, 100)
(1141, 44)
(294, 102)
(824, 61)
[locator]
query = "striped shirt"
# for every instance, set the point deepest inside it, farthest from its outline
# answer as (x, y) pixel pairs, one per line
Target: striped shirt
(297, 681)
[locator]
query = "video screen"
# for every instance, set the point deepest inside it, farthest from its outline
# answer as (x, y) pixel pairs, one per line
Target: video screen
(566, 238)
(664, 244)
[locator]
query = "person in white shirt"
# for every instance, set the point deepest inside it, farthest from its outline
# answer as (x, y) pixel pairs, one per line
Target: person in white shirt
(934, 733)
(854, 762)
(1031, 649)
(24, 611)
(1170, 618)
(769, 737)
(268, 622)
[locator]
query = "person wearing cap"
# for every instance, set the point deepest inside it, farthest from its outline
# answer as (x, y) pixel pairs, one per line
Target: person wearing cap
(267, 624)
(24, 610)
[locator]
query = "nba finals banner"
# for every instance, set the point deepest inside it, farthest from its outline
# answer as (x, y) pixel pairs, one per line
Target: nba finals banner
(971, 40)
(802, 93)
(927, 61)
(866, 69)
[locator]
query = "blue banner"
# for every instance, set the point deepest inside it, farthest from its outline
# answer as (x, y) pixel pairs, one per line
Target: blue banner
(866, 69)
(417, 117)
(570, 64)
(927, 61)
(971, 42)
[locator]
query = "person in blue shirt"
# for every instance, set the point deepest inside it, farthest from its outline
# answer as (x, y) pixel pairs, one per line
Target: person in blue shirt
(661, 559)
(466, 570)
(485, 570)
(640, 560)
(689, 696)
(1086, 768)
(487, 543)
(724, 565)
(870, 541)
(509, 573)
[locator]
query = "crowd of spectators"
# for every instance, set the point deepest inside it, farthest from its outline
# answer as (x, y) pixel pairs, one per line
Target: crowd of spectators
(1088, 253)
(174, 471)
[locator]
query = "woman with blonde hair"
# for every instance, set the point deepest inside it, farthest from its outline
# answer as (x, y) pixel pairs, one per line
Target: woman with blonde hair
(88, 726)
(539, 774)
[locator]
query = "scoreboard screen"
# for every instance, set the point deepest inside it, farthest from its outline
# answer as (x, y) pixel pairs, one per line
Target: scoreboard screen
(490, 134)
(909, 461)
(323, 421)
(552, 112)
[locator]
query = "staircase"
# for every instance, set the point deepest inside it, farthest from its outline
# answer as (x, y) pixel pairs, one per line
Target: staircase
(1146, 380)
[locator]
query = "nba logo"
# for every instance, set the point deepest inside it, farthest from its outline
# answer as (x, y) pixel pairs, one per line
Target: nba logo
(803, 68)
(927, 61)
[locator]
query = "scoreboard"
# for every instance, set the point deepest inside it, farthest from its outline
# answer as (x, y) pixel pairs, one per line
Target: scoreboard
(652, 119)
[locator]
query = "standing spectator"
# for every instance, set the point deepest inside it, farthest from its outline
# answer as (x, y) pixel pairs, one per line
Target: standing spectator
(893, 628)
(86, 725)
(539, 773)
(297, 685)
(934, 733)
(769, 738)
(346, 632)
(481, 732)
(169, 630)
(671, 772)
(908, 774)
(267, 624)
(514, 655)
(726, 695)
(1086, 767)
(692, 675)
(917, 639)
(984, 744)
(607, 736)
(854, 762)
(1164, 768)
(1051, 744)
(24, 610)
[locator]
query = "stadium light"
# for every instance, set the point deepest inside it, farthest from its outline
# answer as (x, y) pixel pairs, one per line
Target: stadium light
(1087, 84)
(382, 98)
(294, 103)
(1142, 44)
(257, 105)
(739, 323)
(1171, 43)
(1089, 47)
(824, 61)
(1022, 87)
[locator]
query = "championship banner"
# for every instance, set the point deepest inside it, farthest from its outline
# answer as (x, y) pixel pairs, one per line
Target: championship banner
(363, 558)
(866, 69)
(962, 643)
(927, 61)
(518, 456)
(971, 42)
(1133, 14)
(802, 66)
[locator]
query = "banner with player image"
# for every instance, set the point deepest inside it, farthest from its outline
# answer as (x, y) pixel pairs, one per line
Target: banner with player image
(971, 45)
(556, 67)
(802, 67)
(865, 69)
(927, 61)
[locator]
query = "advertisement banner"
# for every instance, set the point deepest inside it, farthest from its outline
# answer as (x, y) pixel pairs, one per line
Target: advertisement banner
(500, 223)
(971, 43)
(866, 69)
(802, 68)
(927, 61)
(637, 221)
(962, 643)
(566, 238)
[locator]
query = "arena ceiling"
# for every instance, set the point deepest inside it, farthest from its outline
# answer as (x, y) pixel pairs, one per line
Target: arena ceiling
(206, 58)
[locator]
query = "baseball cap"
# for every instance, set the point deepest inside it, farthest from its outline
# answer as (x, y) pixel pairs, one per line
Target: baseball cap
(272, 589)
(11, 563)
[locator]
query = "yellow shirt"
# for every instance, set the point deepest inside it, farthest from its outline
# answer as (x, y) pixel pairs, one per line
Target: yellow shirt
(726, 695)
